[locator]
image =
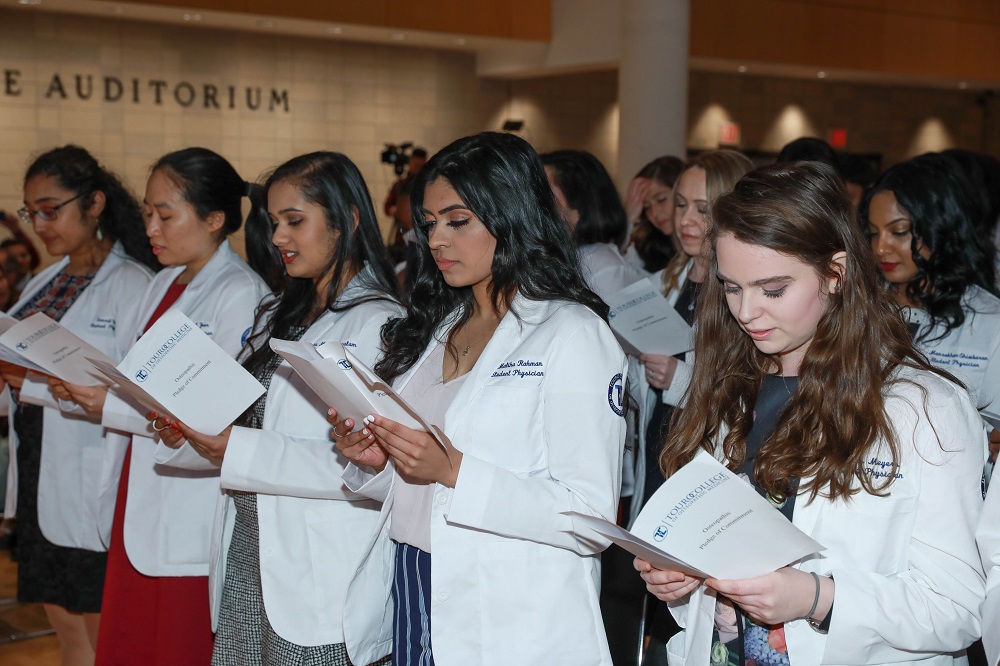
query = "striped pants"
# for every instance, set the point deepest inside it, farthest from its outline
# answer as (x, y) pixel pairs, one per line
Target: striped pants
(411, 591)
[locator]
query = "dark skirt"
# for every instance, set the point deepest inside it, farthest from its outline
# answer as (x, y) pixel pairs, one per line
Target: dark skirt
(46, 573)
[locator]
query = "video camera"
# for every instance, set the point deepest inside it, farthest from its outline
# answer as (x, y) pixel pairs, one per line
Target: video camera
(397, 156)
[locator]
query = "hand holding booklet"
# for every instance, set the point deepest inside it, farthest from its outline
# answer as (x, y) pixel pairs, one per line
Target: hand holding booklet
(176, 369)
(44, 345)
(347, 384)
(707, 522)
(645, 323)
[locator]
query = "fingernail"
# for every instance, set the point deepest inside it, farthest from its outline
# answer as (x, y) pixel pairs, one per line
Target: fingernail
(365, 432)
(329, 412)
(370, 418)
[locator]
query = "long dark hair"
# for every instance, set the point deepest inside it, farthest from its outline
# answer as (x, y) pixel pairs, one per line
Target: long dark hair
(944, 216)
(502, 181)
(837, 414)
(589, 191)
(332, 182)
(208, 182)
(79, 172)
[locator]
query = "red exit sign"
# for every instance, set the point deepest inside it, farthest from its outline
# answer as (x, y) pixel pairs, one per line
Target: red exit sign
(729, 134)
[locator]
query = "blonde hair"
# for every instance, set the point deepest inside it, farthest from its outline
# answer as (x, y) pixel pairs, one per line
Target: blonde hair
(723, 168)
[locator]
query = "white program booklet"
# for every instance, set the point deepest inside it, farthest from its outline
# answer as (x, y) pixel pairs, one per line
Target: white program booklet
(645, 323)
(707, 522)
(8, 355)
(348, 385)
(174, 368)
(49, 347)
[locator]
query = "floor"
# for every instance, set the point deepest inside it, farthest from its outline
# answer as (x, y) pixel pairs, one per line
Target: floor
(16, 618)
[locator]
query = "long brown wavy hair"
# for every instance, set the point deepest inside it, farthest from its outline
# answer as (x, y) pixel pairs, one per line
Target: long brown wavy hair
(801, 210)
(722, 169)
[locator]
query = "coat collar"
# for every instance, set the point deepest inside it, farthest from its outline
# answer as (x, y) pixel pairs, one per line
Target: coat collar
(523, 315)
(223, 255)
(107, 268)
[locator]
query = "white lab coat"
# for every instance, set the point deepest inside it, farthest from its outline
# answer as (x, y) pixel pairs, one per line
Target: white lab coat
(971, 352)
(988, 537)
(646, 396)
(909, 582)
(313, 529)
(605, 269)
(169, 512)
(71, 465)
(538, 419)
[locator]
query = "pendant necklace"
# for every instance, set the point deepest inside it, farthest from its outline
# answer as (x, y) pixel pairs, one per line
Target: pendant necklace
(465, 352)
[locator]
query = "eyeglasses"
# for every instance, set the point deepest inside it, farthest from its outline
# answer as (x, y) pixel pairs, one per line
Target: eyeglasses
(47, 213)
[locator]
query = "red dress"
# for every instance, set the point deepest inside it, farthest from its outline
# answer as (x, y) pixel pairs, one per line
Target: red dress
(151, 620)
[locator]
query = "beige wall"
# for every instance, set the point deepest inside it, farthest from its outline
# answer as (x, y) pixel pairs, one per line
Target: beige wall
(342, 96)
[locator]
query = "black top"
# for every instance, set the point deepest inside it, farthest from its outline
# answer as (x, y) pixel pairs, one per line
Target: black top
(659, 420)
(775, 392)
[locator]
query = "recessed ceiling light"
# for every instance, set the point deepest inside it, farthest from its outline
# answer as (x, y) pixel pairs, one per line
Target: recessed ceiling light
(29, 2)
(820, 75)
(192, 17)
(460, 41)
(117, 10)
(397, 36)
(741, 69)
(334, 30)
(265, 23)
(963, 85)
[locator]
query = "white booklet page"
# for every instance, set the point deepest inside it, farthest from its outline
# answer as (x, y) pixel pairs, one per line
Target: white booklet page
(347, 384)
(51, 348)
(706, 521)
(8, 355)
(645, 323)
(174, 368)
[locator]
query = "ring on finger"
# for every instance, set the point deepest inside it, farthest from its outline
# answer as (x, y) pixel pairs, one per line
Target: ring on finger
(165, 426)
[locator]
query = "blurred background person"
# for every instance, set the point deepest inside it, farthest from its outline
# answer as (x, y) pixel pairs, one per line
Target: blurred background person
(22, 261)
(649, 207)
(589, 205)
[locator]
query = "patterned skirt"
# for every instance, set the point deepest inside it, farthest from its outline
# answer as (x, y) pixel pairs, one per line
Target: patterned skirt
(245, 636)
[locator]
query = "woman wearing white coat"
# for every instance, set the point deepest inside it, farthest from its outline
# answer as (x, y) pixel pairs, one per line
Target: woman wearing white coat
(588, 203)
(921, 217)
(83, 212)
(156, 587)
(807, 382)
(504, 349)
(988, 537)
(288, 534)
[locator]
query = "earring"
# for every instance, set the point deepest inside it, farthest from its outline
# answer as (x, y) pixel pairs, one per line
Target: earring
(100, 234)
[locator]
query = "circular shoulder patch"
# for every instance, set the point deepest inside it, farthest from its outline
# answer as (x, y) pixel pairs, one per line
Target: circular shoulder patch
(246, 334)
(616, 395)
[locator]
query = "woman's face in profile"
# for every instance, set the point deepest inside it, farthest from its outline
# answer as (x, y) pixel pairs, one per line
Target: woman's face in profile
(890, 232)
(460, 243)
(777, 299)
(570, 216)
(658, 207)
(691, 210)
